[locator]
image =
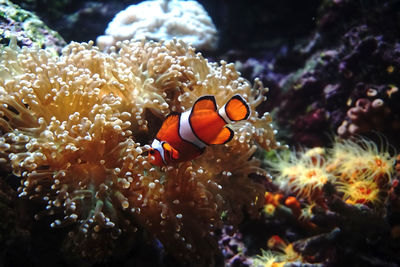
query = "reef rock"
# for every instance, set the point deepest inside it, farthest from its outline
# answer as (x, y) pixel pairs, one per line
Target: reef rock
(26, 28)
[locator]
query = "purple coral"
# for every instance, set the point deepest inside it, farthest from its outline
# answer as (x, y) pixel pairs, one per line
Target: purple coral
(375, 111)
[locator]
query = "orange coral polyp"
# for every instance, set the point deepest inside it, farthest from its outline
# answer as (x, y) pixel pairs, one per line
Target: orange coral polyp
(273, 198)
(294, 205)
(311, 173)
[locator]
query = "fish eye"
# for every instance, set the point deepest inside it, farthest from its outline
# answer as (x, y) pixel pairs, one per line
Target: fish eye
(152, 152)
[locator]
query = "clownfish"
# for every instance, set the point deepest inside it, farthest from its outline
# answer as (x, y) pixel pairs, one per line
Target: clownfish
(184, 136)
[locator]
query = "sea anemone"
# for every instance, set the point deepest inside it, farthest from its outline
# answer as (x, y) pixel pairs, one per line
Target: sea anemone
(70, 141)
(74, 128)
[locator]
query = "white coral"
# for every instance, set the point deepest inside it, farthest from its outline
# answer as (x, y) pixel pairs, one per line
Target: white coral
(162, 20)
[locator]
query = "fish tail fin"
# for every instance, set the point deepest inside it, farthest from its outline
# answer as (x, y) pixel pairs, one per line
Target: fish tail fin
(237, 108)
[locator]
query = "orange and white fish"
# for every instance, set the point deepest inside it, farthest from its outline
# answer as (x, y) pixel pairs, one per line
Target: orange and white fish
(184, 136)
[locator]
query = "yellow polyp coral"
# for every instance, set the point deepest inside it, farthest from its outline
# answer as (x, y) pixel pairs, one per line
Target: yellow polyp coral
(364, 171)
(359, 192)
(267, 259)
(361, 159)
(281, 253)
(74, 129)
(359, 170)
(302, 173)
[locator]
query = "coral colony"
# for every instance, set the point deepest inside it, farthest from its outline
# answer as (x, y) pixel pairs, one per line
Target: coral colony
(76, 128)
(326, 187)
(162, 20)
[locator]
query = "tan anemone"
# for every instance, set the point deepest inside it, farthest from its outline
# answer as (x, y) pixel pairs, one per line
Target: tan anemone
(74, 129)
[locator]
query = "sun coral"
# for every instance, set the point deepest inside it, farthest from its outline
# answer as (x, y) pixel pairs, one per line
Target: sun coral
(302, 173)
(360, 170)
(359, 192)
(281, 253)
(364, 171)
(74, 129)
(361, 160)
(354, 202)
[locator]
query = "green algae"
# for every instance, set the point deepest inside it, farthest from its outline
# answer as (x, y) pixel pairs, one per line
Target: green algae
(28, 29)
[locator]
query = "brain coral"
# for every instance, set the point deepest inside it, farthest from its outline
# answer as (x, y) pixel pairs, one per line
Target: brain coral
(162, 20)
(74, 128)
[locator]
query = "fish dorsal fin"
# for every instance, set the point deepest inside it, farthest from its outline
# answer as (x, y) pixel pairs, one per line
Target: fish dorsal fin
(205, 102)
(223, 137)
(170, 123)
(237, 108)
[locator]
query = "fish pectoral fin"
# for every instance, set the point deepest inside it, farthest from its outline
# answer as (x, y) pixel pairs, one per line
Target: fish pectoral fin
(223, 137)
(172, 152)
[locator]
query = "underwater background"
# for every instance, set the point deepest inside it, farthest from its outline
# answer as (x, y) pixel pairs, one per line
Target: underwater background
(310, 179)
